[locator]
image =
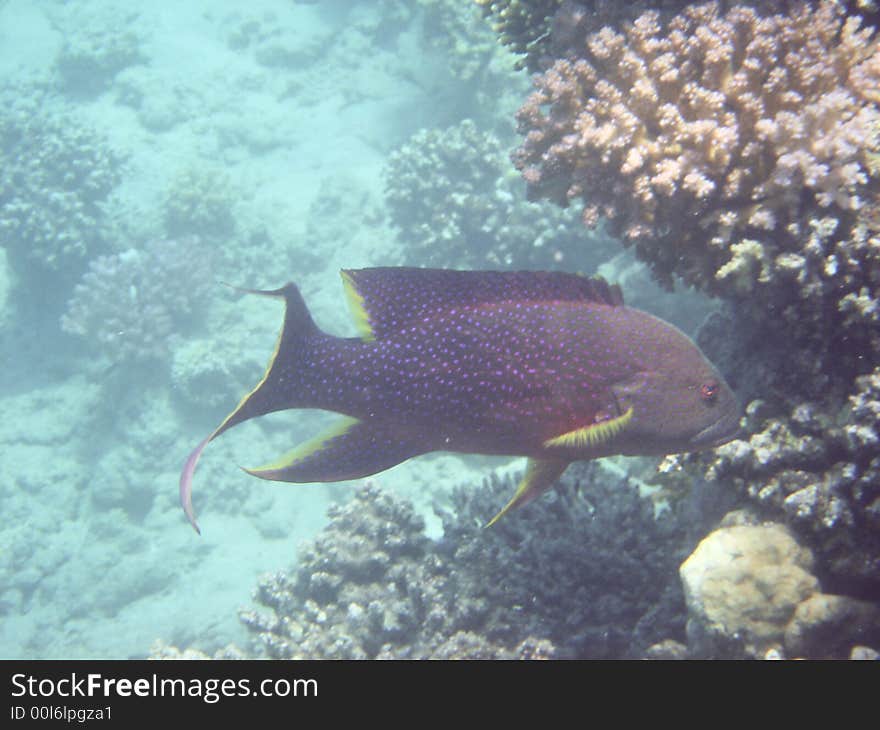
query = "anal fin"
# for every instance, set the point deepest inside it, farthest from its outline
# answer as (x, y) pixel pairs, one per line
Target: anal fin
(351, 450)
(539, 477)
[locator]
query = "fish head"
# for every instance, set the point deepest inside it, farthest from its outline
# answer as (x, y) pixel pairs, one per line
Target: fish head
(679, 400)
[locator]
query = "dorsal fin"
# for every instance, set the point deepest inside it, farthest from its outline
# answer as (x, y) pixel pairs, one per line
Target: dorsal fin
(385, 299)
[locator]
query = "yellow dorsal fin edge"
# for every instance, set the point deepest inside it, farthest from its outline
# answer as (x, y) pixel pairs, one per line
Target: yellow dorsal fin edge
(358, 309)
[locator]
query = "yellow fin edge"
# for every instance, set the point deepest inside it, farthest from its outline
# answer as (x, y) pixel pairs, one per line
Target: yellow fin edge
(308, 448)
(539, 477)
(247, 396)
(356, 305)
(592, 435)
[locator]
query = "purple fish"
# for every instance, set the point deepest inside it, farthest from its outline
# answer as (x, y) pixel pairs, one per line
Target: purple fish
(550, 366)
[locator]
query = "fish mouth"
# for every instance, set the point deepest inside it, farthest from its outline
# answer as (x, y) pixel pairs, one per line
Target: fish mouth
(725, 429)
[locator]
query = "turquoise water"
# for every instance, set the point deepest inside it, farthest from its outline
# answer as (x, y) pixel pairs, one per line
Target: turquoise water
(264, 130)
(257, 138)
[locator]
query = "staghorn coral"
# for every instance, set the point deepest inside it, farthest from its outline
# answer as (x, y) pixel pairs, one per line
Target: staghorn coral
(453, 197)
(128, 304)
(707, 133)
(55, 176)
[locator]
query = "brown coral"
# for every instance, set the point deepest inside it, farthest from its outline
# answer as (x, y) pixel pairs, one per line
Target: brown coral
(718, 129)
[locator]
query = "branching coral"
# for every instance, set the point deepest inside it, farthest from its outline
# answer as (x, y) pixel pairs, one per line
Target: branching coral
(127, 304)
(524, 25)
(716, 129)
(590, 572)
(545, 30)
(371, 586)
(455, 200)
(818, 471)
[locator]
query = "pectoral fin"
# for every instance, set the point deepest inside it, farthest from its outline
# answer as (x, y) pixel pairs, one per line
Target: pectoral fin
(592, 435)
(539, 477)
(352, 450)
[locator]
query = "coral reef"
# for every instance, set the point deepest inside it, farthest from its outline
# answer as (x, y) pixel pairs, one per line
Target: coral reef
(832, 627)
(523, 25)
(718, 130)
(743, 583)
(738, 149)
(347, 210)
(592, 568)
(751, 592)
(163, 650)
(128, 304)
(98, 44)
(542, 31)
(209, 374)
(588, 572)
(160, 103)
(453, 196)
(370, 586)
(200, 201)
(454, 30)
(816, 469)
(55, 176)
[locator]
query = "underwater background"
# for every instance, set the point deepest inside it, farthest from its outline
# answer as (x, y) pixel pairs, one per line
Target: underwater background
(719, 161)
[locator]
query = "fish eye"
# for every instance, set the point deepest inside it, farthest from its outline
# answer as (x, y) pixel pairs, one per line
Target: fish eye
(709, 391)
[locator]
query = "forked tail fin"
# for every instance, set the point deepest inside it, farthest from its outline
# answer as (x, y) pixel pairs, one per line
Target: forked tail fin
(282, 386)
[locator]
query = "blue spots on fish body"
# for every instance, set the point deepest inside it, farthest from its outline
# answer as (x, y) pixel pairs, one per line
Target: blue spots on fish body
(550, 366)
